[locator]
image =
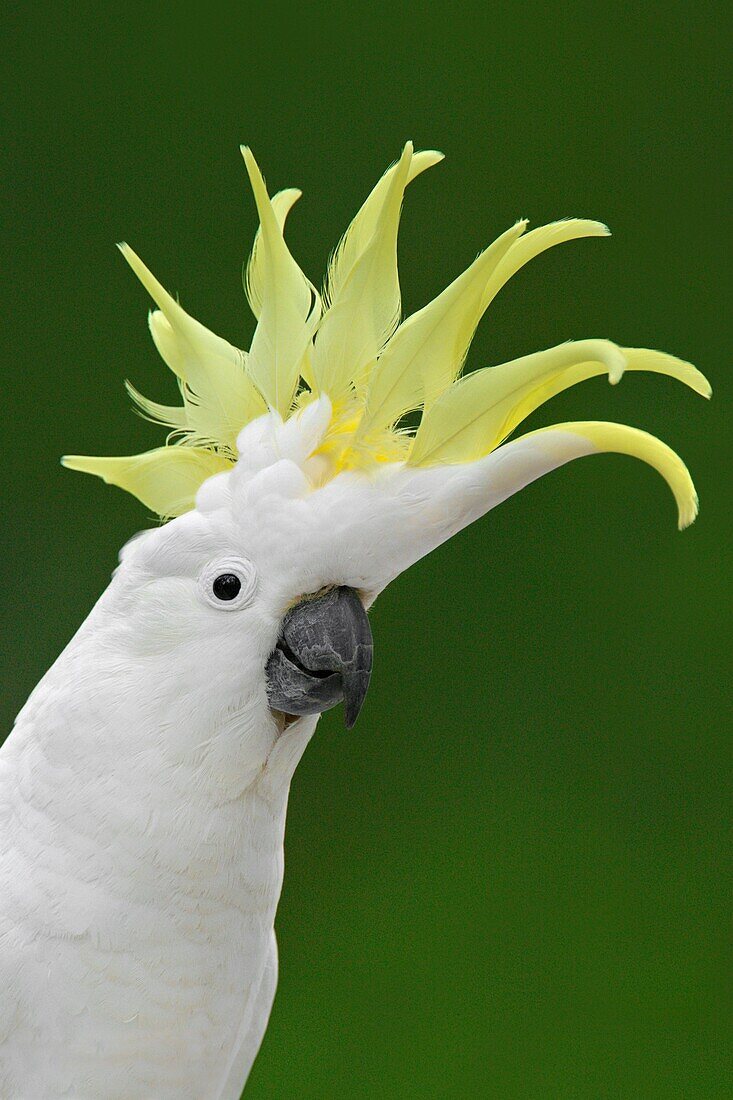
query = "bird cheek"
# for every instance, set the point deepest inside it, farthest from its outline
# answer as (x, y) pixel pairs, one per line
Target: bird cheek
(240, 747)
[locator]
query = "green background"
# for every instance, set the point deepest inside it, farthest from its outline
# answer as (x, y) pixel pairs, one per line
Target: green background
(510, 880)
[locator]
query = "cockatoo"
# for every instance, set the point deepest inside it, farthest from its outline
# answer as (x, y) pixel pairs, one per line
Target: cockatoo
(144, 788)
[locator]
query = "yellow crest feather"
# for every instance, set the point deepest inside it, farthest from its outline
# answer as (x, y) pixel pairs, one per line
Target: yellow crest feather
(482, 409)
(165, 480)
(290, 307)
(254, 282)
(427, 352)
(356, 238)
(536, 242)
(364, 308)
(218, 396)
(624, 440)
(374, 369)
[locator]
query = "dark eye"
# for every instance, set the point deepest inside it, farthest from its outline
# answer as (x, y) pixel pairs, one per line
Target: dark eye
(227, 586)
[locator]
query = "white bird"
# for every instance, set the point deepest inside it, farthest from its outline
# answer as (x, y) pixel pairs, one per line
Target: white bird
(143, 791)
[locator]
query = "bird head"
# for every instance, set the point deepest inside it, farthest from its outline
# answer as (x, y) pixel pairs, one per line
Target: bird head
(294, 482)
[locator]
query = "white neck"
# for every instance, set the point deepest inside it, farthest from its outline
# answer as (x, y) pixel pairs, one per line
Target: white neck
(145, 876)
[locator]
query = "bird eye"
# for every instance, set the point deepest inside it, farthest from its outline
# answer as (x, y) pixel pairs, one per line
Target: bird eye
(228, 584)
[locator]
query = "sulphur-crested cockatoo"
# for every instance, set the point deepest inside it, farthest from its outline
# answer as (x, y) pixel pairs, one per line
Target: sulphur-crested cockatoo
(143, 790)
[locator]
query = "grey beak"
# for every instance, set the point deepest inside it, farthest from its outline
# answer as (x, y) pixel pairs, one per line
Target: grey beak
(323, 655)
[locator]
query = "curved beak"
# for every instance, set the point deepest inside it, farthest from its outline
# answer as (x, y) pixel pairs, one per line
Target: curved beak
(323, 656)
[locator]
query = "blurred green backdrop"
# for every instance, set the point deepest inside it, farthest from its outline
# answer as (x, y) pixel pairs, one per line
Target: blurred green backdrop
(510, 880)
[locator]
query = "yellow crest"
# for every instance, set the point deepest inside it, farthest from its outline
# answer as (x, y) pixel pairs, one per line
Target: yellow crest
(350, 345)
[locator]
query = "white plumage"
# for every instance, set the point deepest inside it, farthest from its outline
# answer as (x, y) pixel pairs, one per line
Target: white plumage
(143, 791)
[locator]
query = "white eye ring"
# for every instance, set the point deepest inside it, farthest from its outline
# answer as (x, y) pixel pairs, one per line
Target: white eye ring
(228, 584)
